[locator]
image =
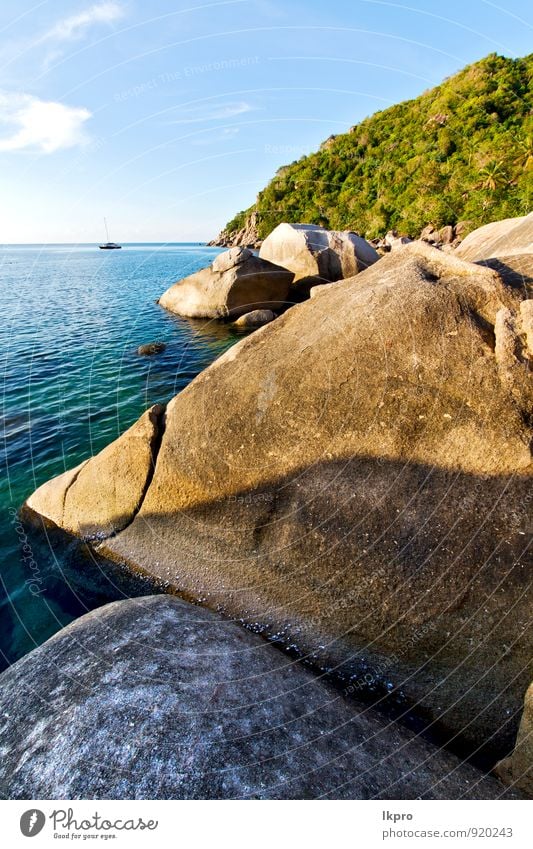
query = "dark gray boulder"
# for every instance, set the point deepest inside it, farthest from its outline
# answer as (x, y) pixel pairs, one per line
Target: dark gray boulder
(156, 698)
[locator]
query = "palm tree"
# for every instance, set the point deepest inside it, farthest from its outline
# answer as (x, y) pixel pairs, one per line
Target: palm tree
(525, 152)
(494, 176)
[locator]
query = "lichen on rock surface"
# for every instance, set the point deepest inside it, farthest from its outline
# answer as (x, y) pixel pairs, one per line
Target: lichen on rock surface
(154, 698)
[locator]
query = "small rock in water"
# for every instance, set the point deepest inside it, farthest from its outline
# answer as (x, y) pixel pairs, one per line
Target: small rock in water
(255, 318)
(151, 348)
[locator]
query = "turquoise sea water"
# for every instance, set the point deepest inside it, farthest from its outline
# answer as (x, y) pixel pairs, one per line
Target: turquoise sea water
(71, 319)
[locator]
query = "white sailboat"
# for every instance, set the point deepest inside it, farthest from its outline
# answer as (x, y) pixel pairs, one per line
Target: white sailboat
(109, 246)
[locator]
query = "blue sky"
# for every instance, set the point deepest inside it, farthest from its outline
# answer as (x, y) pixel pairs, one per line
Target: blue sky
(168, 117)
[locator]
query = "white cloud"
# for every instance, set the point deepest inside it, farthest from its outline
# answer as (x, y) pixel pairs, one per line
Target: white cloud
(198, 114)
(75, 26)
(215, 137)
(69, 29)
(42, 125)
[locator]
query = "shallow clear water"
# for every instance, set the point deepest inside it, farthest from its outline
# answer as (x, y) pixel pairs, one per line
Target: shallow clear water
(71, 319)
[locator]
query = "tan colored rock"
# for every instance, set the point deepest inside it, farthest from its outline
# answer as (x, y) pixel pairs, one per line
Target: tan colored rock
(517, 770)
(353, 480)
(317, 255)
(235, 283)
(522, 759)
(255, 318)
(500, 238)
(394, 240)
(463, 228)
(446, 234)
(506, 246)
(526, 323)
(429, 234)
(247, 237)
(102, 495)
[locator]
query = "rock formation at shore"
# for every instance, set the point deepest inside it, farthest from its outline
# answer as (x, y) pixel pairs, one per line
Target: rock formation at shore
(353, 481)
(246, 237)
(316, 255)
(506, 246)
(154, 698)
(235, 283)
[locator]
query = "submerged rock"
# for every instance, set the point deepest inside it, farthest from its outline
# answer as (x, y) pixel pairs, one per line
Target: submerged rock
(235, 283)
(354, 478)
(154, 698)
(255, 318)
(317, 255)
(151, 348)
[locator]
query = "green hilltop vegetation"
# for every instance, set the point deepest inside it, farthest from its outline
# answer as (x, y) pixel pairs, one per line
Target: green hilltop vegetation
(462, 151)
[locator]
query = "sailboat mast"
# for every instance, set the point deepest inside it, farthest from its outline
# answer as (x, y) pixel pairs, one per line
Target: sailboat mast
(106, 230)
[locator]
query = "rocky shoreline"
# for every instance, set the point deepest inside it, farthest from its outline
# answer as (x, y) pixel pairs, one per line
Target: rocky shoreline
(450, 235)
(352, 481)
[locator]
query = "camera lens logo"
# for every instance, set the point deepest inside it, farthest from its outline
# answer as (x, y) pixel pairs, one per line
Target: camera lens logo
(32, 822)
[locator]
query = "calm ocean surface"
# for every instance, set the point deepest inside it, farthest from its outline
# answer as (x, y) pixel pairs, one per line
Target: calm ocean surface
(71, 319)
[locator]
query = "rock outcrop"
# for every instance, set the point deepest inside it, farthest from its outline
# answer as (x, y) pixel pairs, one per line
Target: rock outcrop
(447, 237)
(316, 255)
(354, 480)
(235, 283)
(157, 699)
(517, 770)
(246, 237)
(506, 246)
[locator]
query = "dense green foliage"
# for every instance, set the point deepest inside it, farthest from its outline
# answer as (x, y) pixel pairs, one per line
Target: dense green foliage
(461, 151)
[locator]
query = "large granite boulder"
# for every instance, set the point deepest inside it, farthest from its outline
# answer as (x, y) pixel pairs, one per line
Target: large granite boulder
(354, 479)
(235, 283)
(507, 237)
(506, 246)
(316, 255)
(81, 500)
(157, 699)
